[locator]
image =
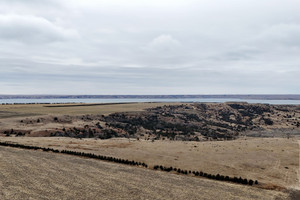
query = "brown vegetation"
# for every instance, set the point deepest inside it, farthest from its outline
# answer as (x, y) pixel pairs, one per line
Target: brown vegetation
(211, 138)
(197, 122)
(27, 174)
(268, 160)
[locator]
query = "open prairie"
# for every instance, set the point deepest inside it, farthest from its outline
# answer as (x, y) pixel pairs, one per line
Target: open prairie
(73, 109)
(27, 174)
(272, 160)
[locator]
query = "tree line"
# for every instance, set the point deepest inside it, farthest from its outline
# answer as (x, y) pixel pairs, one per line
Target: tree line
(219, 177)
(82, 154)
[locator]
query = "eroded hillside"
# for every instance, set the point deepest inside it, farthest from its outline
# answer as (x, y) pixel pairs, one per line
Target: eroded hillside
(197, 121)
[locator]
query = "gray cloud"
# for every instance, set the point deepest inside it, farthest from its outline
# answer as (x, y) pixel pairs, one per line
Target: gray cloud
(149, 47)
(32, 29)
(281, 35)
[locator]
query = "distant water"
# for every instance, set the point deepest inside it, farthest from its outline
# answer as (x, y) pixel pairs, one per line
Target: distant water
(125, 100)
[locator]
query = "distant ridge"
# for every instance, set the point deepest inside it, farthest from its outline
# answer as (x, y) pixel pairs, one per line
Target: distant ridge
(229, 96)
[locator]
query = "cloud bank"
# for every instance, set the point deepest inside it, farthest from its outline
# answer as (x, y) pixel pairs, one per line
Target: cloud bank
(149, 47)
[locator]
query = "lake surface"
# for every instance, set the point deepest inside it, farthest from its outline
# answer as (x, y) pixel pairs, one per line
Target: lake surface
(127, 100)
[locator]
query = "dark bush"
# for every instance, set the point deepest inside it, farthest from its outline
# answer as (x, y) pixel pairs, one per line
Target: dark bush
(250, 182)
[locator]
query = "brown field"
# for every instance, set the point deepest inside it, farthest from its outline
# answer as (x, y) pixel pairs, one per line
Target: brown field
(10, 115)
(45, 109)
(27, 174)
(271, 161)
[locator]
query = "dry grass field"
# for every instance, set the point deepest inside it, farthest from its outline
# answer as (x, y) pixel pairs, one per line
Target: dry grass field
(10, 115)
(27, 174)
(272, 161)
(67, 109)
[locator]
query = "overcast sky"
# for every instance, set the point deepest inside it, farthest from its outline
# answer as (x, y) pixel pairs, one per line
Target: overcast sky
(149, 47)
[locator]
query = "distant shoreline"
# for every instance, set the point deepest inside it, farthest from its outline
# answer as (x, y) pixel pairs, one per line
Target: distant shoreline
(229, 96)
